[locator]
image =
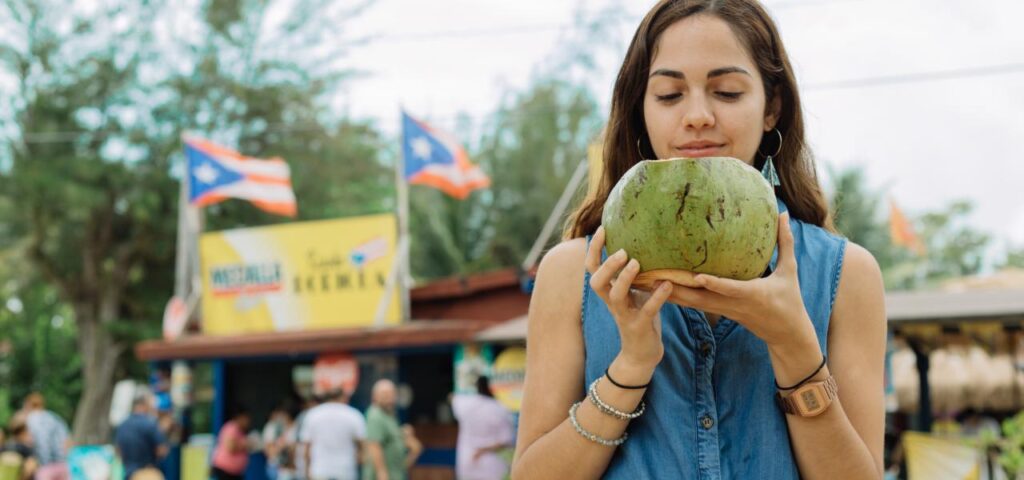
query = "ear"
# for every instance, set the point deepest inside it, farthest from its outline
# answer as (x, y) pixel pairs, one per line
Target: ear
(773, 110)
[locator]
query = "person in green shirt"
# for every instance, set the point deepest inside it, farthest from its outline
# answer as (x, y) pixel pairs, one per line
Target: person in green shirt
(391, 449)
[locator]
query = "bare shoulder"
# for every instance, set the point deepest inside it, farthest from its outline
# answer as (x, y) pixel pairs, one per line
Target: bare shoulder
(565, 257)
(559, 286)
(859, 307)
(861, 277)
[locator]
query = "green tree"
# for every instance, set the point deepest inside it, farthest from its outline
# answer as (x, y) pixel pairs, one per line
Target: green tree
(97, 114)
(1014, 258)
(954, 248)
(38, 351)
(88, 188)
(857, 211)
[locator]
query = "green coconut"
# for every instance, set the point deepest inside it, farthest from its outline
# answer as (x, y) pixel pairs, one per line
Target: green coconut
(714, 215)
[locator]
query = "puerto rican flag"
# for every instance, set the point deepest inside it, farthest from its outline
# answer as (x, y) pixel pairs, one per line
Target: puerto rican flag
(434, 158)
(217, 173)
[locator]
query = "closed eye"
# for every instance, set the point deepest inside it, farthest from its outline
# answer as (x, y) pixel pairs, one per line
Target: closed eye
(729, 95)
(669, 97)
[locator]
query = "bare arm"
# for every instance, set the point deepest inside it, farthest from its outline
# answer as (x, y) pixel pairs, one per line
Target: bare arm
(309, 460)
(377, 457)
(555, 360)
(412, 445)
(847, 440)
(28, 469)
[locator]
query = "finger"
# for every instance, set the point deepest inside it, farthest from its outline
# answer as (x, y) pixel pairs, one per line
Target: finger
(593, 261)
(700, 299)
(620, 288)
(787, 259)
(601, 280)
(724, 286)
(658, 297)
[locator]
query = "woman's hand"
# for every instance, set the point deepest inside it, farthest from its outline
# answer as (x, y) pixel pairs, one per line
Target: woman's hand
(771, 307)
(639, 325)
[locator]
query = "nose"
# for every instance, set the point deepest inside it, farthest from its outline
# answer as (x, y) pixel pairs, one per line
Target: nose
(698, 114)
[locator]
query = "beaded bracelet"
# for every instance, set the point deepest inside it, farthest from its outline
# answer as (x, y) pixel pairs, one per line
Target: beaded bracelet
(610, 410)
(590, 436)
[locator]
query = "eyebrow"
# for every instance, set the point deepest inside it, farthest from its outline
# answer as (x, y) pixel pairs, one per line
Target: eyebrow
(665, 72)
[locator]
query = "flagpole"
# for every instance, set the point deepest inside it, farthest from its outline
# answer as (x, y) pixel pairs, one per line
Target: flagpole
(188, 278)
(404, 272)
(556, 214)
(181, 274)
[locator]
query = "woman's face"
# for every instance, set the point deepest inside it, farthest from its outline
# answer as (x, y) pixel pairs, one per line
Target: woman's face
(705, 96)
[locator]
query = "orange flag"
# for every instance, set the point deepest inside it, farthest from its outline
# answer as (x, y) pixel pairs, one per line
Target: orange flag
(902, 232)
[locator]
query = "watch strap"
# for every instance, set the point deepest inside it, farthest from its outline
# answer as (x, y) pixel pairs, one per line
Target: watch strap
(811, 399)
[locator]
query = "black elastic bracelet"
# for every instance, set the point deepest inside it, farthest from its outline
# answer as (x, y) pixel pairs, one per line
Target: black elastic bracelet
(627, 387)
(824, 358)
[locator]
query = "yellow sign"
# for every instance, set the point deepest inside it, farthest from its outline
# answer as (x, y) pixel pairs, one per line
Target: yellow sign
(298, 276)
(932, 457)
(507, 376)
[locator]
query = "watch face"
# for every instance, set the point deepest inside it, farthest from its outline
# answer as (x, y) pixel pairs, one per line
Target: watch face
(810, 400)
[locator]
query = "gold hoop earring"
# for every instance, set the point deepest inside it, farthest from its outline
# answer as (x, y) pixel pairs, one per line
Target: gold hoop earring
(768, 170)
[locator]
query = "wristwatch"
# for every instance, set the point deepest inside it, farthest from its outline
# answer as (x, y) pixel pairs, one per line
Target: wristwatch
(810, 399)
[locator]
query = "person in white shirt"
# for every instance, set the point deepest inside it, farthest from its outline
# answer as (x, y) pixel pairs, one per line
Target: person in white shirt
(334, 433)
(485, 428)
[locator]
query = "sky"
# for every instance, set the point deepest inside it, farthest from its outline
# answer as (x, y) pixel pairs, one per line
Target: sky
(925, 142)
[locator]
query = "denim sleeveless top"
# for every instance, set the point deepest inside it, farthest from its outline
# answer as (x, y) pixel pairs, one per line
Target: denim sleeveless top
(711, 412)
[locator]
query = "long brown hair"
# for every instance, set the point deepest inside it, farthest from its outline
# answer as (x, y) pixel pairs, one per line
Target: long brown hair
(626, 134)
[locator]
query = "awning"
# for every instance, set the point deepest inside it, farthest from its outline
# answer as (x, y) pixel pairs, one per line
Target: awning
(418, 333)
(513, 330)
(1006, 305)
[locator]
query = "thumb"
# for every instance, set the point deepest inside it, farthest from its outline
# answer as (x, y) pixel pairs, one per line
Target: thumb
(787, 259)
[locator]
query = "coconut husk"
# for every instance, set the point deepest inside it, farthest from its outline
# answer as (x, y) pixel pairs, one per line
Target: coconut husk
(649, 279)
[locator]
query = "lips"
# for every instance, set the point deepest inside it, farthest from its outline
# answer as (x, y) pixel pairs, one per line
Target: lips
(699, 149)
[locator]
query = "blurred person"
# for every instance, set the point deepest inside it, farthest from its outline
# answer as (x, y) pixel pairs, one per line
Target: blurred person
(334, 433)
(172, 431)
(276, 443)
(697, 375)
(20, 444)
(299, 447)
(485, 429)
(51, 437)
(231, 455)
(138, 439)
(391, 449)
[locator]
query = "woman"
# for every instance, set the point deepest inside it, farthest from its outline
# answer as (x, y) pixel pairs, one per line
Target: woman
(231, 457)
(485, 430)
(707, 78)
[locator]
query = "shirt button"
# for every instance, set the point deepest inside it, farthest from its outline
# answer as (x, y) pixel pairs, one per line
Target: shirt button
(707, 422)
(705, 349)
